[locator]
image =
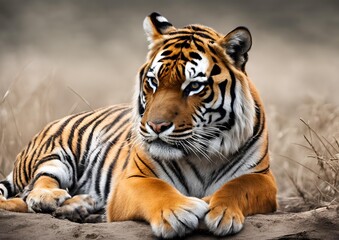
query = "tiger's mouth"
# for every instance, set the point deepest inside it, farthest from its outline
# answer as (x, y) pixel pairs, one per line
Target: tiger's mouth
(161, 150)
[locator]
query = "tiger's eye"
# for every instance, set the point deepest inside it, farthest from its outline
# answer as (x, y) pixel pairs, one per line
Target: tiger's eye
(195, 85)
(154, 81)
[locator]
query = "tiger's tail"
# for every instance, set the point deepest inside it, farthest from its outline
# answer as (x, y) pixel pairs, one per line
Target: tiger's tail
(7, 191)
(7, 188)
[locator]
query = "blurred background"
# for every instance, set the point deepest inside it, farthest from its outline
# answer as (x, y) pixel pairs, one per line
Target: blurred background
(61, 57)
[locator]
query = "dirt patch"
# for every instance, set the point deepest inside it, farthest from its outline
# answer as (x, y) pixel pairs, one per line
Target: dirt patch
(321, 223)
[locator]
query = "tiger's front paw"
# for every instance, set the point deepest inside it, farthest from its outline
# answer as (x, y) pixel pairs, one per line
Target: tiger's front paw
(76, 209)
(179, 219)
(224, 219)
(46, 200)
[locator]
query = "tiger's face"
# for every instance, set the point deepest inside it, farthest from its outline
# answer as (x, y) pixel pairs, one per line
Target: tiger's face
(193, 94)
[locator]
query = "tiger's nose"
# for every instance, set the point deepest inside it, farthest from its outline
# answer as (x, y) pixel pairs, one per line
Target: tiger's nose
(159, 126)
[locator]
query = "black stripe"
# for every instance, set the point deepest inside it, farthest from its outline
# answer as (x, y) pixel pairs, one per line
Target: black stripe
(136, 164)
(136, 176)
(167, 52)
(74, 169)
(265, 170)
(243, 160)
(17, 177)
(183, 129)
(159, 162)
(62, 127)
(195, 55)
(203, 35)
(49, 140)
(141, 108)
(33, 160)
(30, 144)
(112, 124)
(196, 114)
(160, 71)
(210, 97)
(182, 135)
(261, 159)
(177, 172)
(212, 49)
(45, 131)
(90, 136)
(7, 185)
(143, 130)
(197, 28)
(101, 163)
(196, 172)
(75, 127)
(47, 175)
(221, 110)
(181, 33)
(128, 140)
(149, 168)
(231, 120)
(110, 173)
(159, 25)
(89, 172)
(42, 135)
(37, 153)
(45, 159)
(215, 70)
(257, 132)
(199, 47)
(24, 168)
(104, 156)
(82, 130)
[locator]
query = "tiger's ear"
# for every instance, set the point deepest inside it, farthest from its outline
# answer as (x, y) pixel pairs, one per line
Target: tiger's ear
(236, 44)
(156, 26)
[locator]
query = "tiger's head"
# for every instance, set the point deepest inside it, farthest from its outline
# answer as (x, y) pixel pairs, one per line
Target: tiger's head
(193, 95)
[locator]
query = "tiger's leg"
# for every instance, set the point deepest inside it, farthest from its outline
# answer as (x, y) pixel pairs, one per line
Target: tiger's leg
(246, 195)
(168, 211)
(79, 209)
(46, 195)
(47, 189)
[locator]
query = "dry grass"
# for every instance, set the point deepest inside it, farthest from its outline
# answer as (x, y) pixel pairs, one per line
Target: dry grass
(306, 154)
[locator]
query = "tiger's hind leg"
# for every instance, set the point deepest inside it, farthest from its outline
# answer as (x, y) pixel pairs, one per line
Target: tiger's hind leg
(79, 208)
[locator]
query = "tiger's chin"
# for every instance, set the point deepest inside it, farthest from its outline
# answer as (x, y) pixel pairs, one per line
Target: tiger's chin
(160, 150)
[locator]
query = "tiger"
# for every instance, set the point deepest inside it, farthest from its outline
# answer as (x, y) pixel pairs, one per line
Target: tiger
(190, 150)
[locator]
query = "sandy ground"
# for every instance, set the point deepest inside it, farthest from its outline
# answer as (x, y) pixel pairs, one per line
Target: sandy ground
(322, 223)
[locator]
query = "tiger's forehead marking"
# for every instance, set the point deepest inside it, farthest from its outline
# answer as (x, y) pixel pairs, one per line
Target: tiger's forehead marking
(194, 70)
(156, 64)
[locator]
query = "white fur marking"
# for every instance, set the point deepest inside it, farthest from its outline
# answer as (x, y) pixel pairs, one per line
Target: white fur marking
(161, 19)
